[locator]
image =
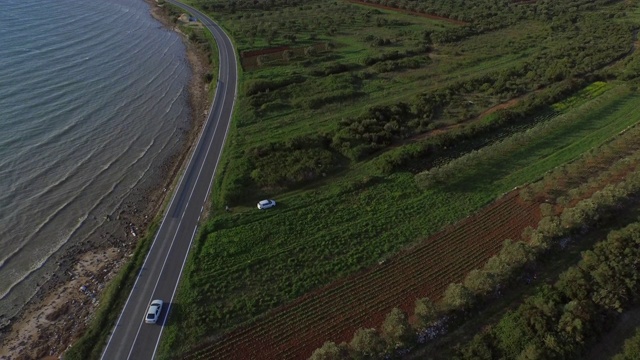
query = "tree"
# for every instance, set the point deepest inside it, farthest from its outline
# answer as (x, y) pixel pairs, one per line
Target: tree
(631, 348)
(583, 212)
(260, 60)
(425, 313)
(512, 334)
(575, 283)
(546, 209)
(290, 37)
(576, 322)
(542, 310)
(516, 254)
(330, 351)
(272, 35)
(479, 348)
(550, 226)
(480, 282)
(367, 344)
(396, 329)
(457, 297)
(498, 268)
(531, 352)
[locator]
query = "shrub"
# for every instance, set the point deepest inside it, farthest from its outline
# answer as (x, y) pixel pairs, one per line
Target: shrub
(396, 330)
(367, 344)
(255, 86)
(330, 351)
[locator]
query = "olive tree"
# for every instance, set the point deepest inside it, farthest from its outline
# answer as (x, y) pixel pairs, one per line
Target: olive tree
(367, 344)
(396, 330)
(330, 351)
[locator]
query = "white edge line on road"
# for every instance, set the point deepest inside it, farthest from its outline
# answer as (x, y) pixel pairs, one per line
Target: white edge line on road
(164, 320)
(173, 240)
(167, 213)
(215, 130)
(174, 197)
(212, 178)
(188, 201)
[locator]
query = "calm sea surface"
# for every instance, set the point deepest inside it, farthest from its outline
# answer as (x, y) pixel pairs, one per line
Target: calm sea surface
(92, 98)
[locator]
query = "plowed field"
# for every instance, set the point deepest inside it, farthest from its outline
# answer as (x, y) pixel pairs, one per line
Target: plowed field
(363, 300)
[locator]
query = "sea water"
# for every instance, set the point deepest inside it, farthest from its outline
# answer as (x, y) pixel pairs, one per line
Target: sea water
(92, 98)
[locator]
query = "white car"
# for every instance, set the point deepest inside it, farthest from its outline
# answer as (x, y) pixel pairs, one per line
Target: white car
(265, 204)
(154, 312)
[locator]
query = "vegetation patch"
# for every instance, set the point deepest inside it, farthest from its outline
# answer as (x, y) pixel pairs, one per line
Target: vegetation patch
(425, 270)
(301, 160)
(389, 94)
(430, 16)
(247, 251)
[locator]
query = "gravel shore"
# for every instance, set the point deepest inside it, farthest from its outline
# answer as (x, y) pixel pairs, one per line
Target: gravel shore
(62, 308)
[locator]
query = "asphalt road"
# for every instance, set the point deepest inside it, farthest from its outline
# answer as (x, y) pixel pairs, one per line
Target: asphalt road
(132, 338)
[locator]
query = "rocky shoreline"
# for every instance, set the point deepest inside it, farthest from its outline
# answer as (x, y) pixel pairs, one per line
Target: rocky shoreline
(59, 313)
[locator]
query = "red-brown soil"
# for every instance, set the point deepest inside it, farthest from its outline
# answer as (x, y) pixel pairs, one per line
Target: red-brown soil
(362, 300)
(252, 53)
(271, 56)
(505, 105)
(334, 312)
(428, 16)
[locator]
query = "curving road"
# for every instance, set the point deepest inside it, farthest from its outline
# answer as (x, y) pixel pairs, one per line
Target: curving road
(158, 279)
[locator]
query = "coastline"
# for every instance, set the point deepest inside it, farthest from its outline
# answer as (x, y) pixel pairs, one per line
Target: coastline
(60, 311)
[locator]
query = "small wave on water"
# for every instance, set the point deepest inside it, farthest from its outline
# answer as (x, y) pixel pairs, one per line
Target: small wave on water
(90, 107)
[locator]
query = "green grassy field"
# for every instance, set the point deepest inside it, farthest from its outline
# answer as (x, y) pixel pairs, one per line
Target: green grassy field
(447, 64)
(250, 261)
(544, 147)
(358, 78)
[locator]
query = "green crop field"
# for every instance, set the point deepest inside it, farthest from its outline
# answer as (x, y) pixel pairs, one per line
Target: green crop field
(250, 261)
(350, 87)
(519, 158)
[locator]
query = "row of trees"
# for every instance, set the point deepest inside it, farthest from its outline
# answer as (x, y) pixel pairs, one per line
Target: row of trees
(563, 319)
(395, 333)
(508, 266)
(574, 50)
(427, 153)
(387, 123)
(494, 153)
(568, 59)
(572, 180)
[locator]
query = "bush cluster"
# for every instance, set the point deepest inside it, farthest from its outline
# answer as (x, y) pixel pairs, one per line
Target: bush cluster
(494, 153)
(386, 56)
(561, 320)
(256, 86)
(297, 161)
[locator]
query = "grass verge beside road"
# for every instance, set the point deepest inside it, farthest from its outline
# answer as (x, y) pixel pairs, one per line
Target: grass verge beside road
(91, 344)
